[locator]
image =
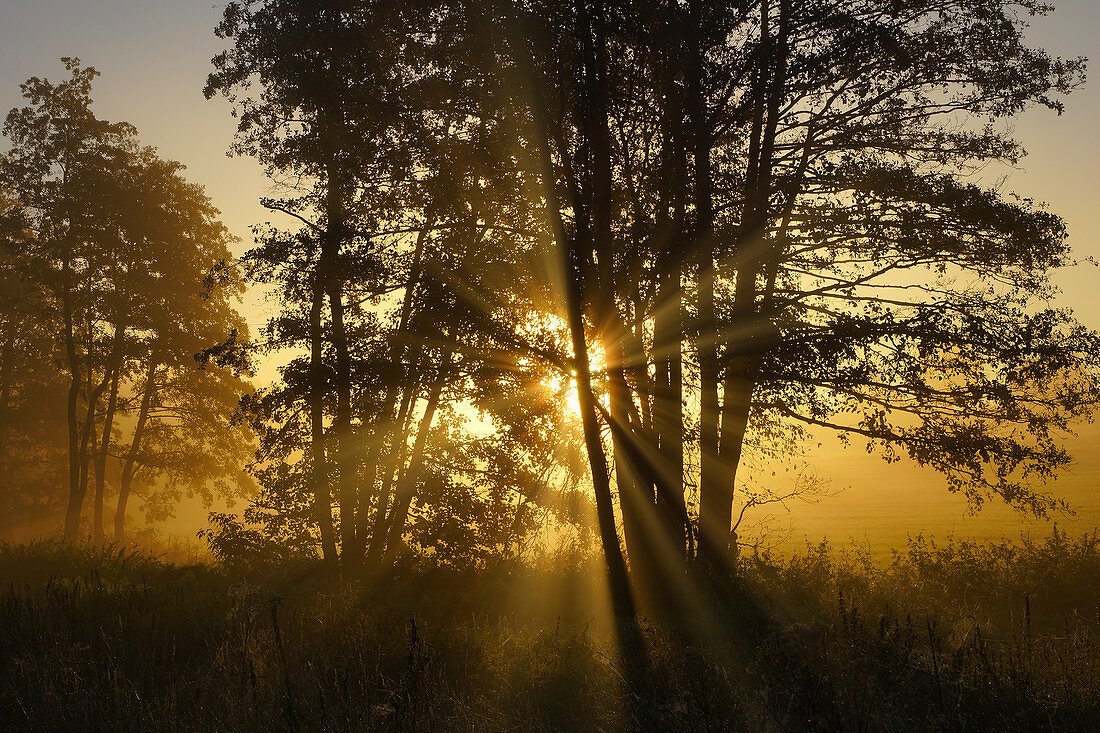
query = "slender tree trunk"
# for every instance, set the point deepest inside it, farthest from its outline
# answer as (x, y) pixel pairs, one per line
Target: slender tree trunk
(76, 494)
(635, 497)
(754, 330)
(331, 246)
(98, 534)
(321, 496)
(91, 473)
(599, 241)
(618, 581)
(622, 598)
(406, 487)
(345, 459)
(387, 426)
(668, 317)
(89, 437)
(635, 500)
(128, 467)
(712, 496)
(576, 253)
(399, 446)
(668, 407)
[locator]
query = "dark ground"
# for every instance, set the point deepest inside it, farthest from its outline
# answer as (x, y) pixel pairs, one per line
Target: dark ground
(963, 637)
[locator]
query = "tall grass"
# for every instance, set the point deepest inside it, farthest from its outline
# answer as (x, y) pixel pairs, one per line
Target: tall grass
(957, 636)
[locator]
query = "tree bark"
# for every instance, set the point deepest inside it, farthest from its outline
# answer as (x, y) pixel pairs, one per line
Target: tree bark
(321, 496)
(76, 494)
(406, 487)
(98, 534)
(128, 467)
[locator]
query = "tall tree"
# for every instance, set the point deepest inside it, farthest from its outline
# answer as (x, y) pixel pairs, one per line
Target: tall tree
(124, 246)
(757, 213)
(331, 94)
(32, 382)
(799, 116)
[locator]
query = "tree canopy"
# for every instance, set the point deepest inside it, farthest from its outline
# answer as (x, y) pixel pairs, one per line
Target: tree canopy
(725, 226)
(121, 275)
(545, 272)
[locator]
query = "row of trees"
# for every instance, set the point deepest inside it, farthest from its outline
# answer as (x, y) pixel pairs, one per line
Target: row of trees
(726, 224)
(117, 281)
(366, 442)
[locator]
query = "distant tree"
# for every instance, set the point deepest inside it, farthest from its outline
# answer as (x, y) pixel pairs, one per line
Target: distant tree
(183, 350)
(32, 422)
(133, 267)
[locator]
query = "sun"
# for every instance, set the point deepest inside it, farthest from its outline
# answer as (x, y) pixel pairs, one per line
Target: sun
(597, 362)
(572, 403)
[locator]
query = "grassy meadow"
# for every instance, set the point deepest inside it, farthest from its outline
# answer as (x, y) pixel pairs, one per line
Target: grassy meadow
(967, 636)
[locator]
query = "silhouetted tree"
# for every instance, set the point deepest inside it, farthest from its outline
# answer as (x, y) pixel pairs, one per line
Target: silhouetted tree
(388, 191)
(32, 384)
(810, 157)
(758, 211)
(135, 262)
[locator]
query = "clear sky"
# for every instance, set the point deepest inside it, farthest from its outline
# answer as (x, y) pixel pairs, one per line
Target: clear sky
(154, 56)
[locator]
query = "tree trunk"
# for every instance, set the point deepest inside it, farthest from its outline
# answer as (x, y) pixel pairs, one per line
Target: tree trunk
(105, 441)
(331, 246)
(89, 437)
(345, 459)
(636, 499)
(321, 496)
(635, 496)
(622, 598)
(576, 253)
(599, 242)
(713, 530)
(91, 472)
(618, 582)
(76, 495)
(668, 314)
(399, 448)
(740, 376)
(388, 427)
(128, 469)
(668, 408)
(406, 487)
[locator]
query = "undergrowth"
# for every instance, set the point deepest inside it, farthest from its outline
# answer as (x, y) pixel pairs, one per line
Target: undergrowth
(980, 636)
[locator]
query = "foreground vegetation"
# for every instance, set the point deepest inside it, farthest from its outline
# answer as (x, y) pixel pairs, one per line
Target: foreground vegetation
(965, 636)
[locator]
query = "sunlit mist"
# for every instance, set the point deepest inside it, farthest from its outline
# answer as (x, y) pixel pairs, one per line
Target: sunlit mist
(527, 365)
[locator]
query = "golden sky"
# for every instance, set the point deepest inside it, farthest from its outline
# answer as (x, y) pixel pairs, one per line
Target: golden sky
(154, 56)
